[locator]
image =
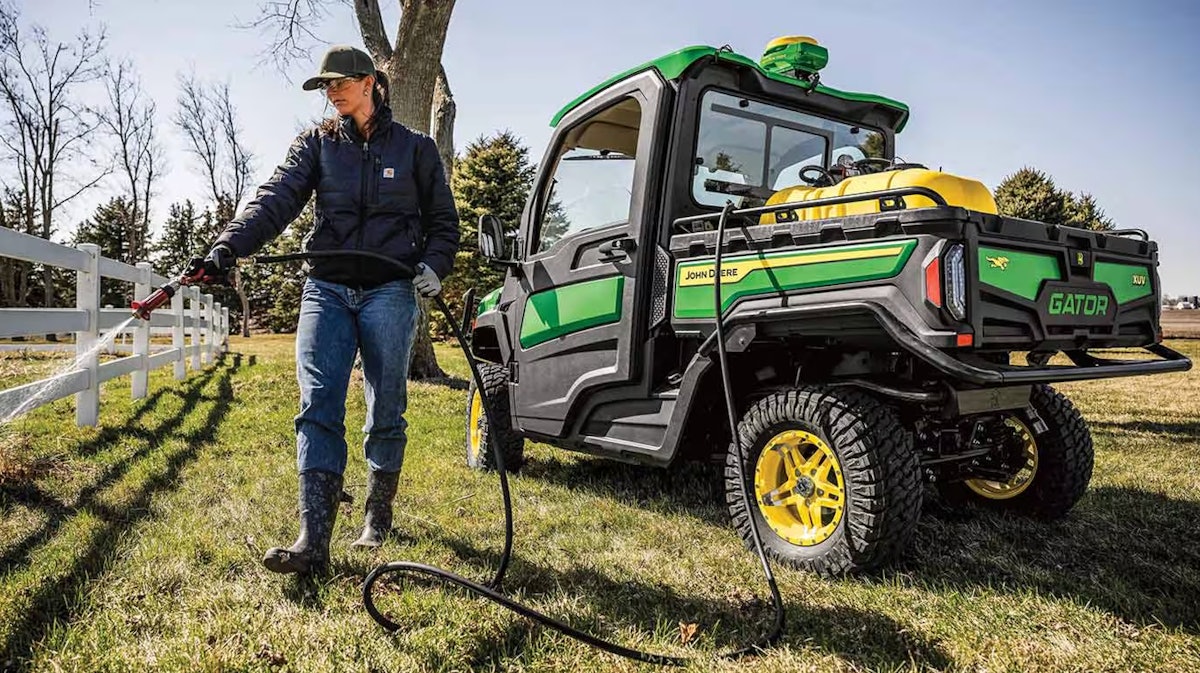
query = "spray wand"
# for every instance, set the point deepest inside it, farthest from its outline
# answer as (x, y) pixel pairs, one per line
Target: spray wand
(142, 309)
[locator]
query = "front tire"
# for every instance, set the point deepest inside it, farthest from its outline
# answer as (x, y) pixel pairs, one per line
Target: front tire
(480, 453)
(1058, 463)
(836, 481)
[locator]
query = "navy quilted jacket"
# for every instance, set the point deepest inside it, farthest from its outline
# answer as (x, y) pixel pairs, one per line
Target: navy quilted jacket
(386, 194)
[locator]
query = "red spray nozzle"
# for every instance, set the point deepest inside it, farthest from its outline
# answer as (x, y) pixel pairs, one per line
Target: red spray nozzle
(162, 295)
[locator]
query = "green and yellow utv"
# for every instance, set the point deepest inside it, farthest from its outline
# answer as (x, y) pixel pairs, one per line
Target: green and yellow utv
(885, 327)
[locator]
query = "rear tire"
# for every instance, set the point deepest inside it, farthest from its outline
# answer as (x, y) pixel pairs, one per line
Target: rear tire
(1063, 456)
(803, 451)
(480, 453)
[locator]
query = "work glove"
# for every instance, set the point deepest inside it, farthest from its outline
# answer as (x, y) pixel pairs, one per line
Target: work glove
(426, 281)
(213, 269)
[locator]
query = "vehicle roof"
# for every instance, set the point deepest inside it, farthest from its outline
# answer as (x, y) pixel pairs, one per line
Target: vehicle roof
(672, 65)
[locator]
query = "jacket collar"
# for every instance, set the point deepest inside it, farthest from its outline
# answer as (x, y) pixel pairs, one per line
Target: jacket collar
(383, 119)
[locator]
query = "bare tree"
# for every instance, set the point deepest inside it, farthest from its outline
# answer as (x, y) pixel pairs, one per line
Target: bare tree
(130, 121)
(208, 119)
(46, 131)
(413, 64)
(240, 161)
(195, 119)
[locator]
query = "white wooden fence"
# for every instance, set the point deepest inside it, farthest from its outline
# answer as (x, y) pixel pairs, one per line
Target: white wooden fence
(205, 322)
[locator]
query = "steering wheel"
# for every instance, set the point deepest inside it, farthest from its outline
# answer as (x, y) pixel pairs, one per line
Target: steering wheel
(823, 178)
(863, 164)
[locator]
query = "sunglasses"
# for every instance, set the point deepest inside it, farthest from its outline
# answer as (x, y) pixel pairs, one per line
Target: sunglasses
(335, 84)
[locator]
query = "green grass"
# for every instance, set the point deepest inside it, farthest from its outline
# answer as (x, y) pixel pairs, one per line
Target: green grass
(136, 546)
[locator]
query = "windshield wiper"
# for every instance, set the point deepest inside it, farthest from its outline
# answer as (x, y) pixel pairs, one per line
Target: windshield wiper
(604, 155)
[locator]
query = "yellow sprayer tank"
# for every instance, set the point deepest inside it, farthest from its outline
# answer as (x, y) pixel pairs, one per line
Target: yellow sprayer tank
(963, 192)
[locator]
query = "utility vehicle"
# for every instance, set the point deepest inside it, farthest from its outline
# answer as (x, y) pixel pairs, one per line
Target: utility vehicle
(885, 327)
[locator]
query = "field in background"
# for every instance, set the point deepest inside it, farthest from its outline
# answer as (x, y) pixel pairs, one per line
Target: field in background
(136, 546)
(1181, 324)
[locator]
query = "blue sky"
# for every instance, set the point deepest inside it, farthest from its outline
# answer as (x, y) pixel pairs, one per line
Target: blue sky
(1102, 95)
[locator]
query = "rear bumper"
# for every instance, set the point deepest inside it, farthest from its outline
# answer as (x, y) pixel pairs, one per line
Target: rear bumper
(1085, 367)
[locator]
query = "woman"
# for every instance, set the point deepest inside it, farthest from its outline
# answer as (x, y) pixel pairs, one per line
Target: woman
(380, 187)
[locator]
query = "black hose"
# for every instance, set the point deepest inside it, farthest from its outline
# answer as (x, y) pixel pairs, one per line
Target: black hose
(491, 591)
(731, 410)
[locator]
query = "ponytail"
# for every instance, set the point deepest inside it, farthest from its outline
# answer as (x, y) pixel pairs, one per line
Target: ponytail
(379, 98)
(382, 87)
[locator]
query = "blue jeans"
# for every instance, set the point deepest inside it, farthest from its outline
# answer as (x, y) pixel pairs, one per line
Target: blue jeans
(335, 322)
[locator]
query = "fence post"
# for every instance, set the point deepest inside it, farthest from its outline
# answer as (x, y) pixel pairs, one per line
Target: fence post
(141, 335)
(87, 297)
(194, 297)
(206, 349)
(224, 328)
(177, 336)
(216, 329)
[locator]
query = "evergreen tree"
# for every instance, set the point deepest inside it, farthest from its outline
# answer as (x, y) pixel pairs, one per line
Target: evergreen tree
(1084, 212)
(493, 176)
(179, 240)
(18, 278)
(274, 289)
(1031, 194)
(109, 228)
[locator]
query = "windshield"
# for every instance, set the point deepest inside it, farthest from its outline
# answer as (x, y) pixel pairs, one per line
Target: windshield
(747, 149)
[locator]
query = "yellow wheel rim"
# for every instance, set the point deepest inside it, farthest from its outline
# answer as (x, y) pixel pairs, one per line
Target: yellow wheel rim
(799, 488)
(999, 490)
(476, 438)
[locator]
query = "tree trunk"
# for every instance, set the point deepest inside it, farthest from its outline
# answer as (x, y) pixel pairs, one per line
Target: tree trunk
(241, 293)
(443, 113)
(413, 66)
(416, 59)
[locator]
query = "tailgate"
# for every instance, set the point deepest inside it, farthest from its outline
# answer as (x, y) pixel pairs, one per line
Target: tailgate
(1060, 288)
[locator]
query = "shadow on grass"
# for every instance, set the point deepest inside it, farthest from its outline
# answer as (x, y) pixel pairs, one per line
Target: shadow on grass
(1128, 552)
(451, 382)
(870, 640)
(53, 601)
(1181, 431)
(695, 489)
(1132, 553)
(34, 496)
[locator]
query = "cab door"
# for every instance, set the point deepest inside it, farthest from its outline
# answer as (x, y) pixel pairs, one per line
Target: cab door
(584, 237)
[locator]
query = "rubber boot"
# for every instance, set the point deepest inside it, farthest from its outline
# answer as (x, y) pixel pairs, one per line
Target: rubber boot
(319, 495)
(381, 490)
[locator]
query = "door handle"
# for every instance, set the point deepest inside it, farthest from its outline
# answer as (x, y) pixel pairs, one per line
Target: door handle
(617, 249)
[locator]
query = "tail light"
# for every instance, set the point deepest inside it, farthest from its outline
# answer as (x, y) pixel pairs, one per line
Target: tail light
(933, 282)
(956, 282)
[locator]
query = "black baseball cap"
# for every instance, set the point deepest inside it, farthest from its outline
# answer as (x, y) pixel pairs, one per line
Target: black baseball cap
(341, 61)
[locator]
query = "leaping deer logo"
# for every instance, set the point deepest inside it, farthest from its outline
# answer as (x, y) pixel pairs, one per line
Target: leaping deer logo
(998, 262)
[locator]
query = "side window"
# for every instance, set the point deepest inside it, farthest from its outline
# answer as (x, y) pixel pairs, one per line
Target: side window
(592, 183)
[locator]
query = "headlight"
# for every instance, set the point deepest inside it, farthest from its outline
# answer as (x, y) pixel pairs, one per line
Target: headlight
(956, 282)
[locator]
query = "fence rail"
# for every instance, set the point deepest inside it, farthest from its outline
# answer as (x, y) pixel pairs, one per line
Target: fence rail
(199, 326)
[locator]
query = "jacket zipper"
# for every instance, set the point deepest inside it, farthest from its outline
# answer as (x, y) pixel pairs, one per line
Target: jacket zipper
(362, 194)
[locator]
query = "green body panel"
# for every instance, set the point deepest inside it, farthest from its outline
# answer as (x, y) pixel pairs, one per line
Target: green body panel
(696, 301)
(1020, 273)
(1128, 281)
(489, 301)
(672, 66)
(569, 308)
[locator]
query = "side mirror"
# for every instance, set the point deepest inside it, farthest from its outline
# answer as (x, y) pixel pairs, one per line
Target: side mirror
(491, 239)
